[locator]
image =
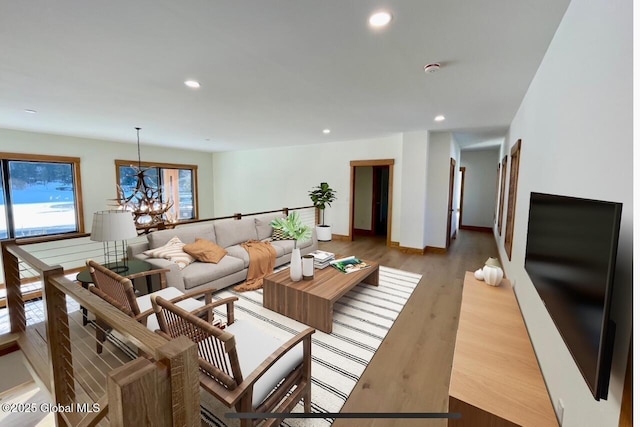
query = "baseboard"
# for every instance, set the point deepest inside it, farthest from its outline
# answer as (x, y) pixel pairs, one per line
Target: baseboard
(475, 228)
(406, 250)
(340, 237)
(417, 251)
(435, 250)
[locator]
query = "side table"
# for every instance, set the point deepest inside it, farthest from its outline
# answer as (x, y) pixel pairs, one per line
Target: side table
(135, 266)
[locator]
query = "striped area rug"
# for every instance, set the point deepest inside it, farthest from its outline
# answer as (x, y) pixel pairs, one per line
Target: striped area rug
(362, 319)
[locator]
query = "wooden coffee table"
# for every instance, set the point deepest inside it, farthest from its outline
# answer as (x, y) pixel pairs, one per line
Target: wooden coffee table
(311, 301)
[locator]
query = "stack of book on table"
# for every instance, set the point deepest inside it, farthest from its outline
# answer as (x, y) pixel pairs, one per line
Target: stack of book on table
(321, 259)
(349, 264)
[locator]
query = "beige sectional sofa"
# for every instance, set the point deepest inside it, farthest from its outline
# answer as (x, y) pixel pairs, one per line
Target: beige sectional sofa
(228, 234)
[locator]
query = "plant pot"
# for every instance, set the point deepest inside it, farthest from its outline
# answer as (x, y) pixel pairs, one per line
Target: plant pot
(324, 233)
(295, 268)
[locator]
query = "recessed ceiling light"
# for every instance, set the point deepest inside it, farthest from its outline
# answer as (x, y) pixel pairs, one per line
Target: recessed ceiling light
(439, 118)
(192, 84)
(380, 19)
(30, 111)
(325, 131)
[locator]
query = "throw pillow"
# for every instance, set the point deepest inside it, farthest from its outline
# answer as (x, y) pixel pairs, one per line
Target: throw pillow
(279, 235)
(173, 252)
(205, 250)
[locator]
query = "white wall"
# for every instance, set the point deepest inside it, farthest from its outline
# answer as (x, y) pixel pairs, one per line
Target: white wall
(479, 187)
(97, 167)
(282, 177)
(363, 198)
(415, 147)
(575, 123)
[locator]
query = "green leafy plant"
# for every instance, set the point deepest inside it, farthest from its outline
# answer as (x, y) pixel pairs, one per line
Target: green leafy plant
(293, 227)
(322, 196)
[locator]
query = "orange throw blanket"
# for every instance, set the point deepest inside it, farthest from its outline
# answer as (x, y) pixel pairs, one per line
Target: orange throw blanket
(262, 259)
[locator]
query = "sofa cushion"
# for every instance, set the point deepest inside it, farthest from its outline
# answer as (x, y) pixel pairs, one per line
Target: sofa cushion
(200, 273)
(254, 346)
(234, 231)
(279, 235)
(279, 250)
(173, 252)
(205, 251)
(144, 304)
(187, 234)
(238, 251)
(263, 225)
(287, 245)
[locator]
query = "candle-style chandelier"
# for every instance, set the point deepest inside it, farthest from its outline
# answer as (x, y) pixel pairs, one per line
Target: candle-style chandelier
(145, 202)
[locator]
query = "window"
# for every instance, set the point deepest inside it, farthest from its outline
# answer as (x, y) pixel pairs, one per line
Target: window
(40, 195)
(178, 183)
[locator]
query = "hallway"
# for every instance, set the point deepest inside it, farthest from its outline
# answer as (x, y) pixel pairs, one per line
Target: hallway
(411, 370)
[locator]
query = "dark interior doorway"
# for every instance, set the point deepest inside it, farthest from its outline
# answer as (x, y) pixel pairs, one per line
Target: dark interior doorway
(371, 198)
(380, 198)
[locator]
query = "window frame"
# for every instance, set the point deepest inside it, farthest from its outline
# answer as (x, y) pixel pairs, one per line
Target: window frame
(160, 165)
(5, 158)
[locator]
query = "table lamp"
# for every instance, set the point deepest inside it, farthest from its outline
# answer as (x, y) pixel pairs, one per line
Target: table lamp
(113, 228)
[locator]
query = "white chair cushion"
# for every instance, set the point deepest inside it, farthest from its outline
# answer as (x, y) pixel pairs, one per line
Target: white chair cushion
(254, 346)
(144, 303)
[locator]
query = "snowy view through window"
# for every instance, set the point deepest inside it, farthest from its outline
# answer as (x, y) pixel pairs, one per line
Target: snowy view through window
(42, 199)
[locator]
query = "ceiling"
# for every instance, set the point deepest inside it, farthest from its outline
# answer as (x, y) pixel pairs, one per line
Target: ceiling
(272, 72)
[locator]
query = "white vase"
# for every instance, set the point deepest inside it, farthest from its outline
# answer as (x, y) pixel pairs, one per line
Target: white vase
(492, 275)
(295, 269)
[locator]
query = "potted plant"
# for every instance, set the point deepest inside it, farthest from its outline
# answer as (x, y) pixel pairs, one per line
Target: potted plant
(293, 228)
(322, 196)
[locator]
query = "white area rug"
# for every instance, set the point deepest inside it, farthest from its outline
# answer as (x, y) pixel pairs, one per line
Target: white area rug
(362, 319)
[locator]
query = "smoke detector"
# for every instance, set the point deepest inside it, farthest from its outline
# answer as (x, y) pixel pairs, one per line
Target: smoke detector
(431, 68)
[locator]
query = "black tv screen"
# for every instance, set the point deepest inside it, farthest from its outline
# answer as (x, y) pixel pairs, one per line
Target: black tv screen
(570, 258)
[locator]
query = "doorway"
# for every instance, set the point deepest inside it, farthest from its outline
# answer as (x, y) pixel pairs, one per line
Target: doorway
(452, 177)
(371, 199)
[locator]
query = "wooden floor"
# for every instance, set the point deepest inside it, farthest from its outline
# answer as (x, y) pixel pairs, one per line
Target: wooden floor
(410, 371)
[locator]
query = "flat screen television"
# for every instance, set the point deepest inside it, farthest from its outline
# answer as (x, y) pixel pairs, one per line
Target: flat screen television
(570, 258)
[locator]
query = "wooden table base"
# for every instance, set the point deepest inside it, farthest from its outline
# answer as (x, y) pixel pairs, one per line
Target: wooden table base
(311, 301)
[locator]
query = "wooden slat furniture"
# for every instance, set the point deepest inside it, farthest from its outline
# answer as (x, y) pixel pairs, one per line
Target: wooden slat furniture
(135, 267)
(495, 379)
(242, 366)
(118, 291)
(311, 301)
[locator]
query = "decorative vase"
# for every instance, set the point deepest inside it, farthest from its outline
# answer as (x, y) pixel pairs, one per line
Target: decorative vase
(492, 272)
(307, 267)
(295, 269)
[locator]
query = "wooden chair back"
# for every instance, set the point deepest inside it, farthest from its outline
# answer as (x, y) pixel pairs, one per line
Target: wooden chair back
(118, 290)
(217, 353)
(220, 372)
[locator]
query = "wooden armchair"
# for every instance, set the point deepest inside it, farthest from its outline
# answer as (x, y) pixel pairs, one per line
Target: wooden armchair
(118, 291)
(278, 373)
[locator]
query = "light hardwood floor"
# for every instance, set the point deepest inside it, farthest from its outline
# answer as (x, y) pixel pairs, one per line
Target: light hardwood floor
(410, 371)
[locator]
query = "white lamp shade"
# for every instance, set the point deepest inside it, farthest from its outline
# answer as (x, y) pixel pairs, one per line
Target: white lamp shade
(111, 226)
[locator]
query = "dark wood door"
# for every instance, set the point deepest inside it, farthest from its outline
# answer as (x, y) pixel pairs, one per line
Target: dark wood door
(452, 176)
